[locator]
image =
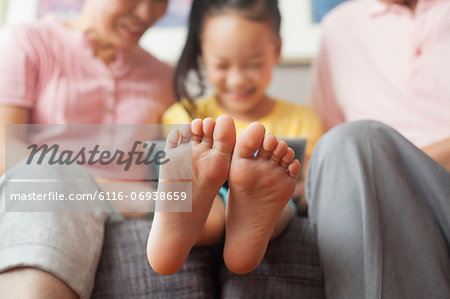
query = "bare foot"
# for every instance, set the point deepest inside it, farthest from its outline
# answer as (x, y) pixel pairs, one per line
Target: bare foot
(174, 234)
(260, 188)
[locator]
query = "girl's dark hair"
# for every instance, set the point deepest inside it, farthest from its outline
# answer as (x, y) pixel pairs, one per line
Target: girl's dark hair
(256, 10)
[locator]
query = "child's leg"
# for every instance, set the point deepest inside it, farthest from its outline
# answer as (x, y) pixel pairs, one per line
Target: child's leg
(260, 188)
(173, 234)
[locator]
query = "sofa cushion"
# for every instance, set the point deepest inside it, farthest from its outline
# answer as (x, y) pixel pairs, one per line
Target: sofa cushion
(290, 268)
(124, 272)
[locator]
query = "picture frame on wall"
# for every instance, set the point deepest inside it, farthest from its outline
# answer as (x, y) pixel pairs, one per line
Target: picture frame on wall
(64, 9)
(177, 14)
(322, 7)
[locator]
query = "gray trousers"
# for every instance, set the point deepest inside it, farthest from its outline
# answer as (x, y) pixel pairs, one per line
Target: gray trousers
(381, 208)
(65, 244)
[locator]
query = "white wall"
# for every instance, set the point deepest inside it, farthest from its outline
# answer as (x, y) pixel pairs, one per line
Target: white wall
(17, 11)
(290, 82)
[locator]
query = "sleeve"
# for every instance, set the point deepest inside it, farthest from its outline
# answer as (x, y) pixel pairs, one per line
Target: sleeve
(164, 94)
(176, 114)
(322, 95)
(18, 68)
(168, 96)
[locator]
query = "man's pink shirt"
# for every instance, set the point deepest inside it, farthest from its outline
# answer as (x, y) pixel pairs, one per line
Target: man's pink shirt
(51, 69)
(381, 62)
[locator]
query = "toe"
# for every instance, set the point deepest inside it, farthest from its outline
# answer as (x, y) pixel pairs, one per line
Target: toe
(224, 134)
(197, 130)
(294, 168)
(287, 157)
(185, 133)
(208, 129)
(250, 140)
(279, 151)
(173, 138)
(269, 144)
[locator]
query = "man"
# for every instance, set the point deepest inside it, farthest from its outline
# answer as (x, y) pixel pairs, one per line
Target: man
(389, 61)
(381, 205)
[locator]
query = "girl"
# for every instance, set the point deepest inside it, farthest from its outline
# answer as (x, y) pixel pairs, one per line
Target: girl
(238, 43)
(43, 82)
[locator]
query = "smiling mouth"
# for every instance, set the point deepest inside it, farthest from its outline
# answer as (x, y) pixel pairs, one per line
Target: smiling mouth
(134, 32)
(240, 95)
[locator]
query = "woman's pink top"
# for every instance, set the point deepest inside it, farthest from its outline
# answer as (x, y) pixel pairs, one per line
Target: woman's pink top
(51, 69)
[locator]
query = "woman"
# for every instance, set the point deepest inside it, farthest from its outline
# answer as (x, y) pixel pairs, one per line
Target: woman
(87, 71)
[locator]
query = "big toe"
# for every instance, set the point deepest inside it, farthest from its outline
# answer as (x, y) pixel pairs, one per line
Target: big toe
(224, 134)
(250, 140)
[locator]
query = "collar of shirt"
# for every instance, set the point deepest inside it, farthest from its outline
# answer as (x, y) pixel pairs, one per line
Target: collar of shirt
(379, 8)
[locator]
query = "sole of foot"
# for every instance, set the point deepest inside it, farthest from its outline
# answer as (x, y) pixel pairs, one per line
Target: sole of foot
(173, 234)
(260, 187)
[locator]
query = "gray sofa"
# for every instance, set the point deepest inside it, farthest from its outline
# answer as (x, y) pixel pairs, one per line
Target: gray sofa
(290, 268)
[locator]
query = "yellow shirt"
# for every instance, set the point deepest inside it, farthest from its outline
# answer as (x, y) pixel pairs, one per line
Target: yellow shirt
(285, 120)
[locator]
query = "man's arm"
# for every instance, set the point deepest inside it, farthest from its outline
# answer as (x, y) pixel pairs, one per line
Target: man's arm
(440, 151)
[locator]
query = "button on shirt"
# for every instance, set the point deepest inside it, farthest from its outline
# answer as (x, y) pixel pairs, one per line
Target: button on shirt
(384, 62)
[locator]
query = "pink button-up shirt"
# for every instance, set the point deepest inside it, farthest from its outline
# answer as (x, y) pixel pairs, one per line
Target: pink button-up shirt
(383, 62)
(51, 69)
